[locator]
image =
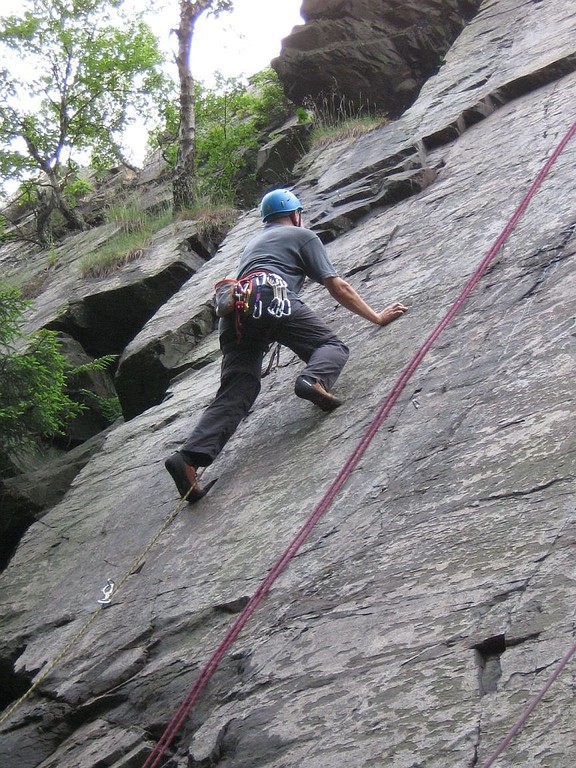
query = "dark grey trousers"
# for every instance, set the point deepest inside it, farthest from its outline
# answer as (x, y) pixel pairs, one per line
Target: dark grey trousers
(302, 331)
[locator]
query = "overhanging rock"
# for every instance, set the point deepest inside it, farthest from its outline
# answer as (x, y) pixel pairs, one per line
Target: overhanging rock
(357, 57)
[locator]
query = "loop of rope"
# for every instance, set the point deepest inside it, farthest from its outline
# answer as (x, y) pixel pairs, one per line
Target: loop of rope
(274, 361)
(207, 671)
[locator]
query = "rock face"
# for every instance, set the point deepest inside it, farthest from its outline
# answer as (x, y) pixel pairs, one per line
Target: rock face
(356, 57)
(434, 598)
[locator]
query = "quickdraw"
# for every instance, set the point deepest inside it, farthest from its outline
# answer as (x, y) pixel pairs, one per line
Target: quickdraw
(244, 295)
(280, 304)
(248, 297)
(107, 591)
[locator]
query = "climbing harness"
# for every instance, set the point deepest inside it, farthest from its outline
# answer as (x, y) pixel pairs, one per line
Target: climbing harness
(325, 502)
(244, 295)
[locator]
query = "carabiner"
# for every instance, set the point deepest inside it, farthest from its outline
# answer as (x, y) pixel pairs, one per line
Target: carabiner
(107, 591)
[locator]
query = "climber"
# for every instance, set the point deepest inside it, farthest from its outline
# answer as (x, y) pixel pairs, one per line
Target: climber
(266, 308)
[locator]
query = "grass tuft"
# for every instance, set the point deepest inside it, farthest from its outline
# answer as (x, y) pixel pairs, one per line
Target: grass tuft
(136, 228)
(336, 118)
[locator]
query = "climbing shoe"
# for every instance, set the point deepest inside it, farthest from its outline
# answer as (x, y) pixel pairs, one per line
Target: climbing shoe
(184, 476)
(310, 389)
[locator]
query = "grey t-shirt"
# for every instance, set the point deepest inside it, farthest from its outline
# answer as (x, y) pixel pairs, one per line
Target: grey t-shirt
(294, 253)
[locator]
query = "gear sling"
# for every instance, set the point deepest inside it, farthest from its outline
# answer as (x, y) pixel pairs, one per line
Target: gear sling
(243, 296)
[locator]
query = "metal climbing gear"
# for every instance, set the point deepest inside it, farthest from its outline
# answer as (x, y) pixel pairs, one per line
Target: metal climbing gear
(107, 591)
(250, 302)
(244, 296)
(280, 304)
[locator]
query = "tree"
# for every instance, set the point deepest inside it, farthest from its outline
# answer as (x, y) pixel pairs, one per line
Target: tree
(231, 122)
(33, 401)
(184, 173)
(41, 393)
(78, 72)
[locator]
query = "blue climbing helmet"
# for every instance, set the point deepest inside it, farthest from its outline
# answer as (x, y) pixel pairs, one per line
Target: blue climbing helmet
(279, 201)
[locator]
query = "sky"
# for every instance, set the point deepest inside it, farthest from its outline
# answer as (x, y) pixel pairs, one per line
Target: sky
(243, 41)
(240, 42)
(234, 44)
(237, 43)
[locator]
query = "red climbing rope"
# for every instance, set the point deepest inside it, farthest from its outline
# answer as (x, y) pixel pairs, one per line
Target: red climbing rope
(326, 501)
(517, 727)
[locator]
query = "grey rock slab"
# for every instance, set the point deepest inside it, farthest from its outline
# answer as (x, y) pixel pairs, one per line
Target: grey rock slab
(487, 65)
(72, 303)
(434, 597)
(360, 56)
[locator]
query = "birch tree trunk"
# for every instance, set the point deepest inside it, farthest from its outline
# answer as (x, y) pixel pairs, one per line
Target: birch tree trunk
(184, 184)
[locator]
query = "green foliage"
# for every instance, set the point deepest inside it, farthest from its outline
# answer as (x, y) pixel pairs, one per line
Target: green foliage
(229, 125)
(128, 217)
(269, 102)
(334, 109)
(35, 382)
(99, 364)
(76, 189)
(52, 257)
(337, 117)
(75, 74)
(303, 115)
(230, 122)
(109, 259)
(28, 192)
(33, 403)
(212, 220)
(137, 227)
(108, 407)
(323, 135)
